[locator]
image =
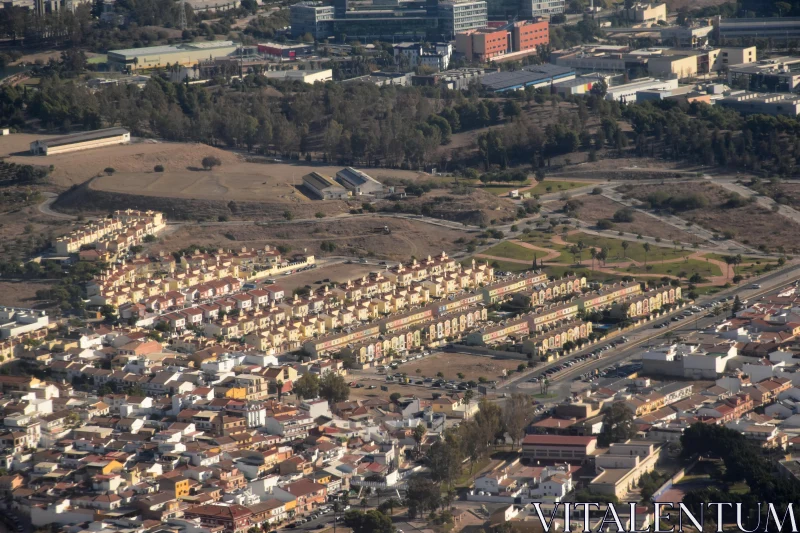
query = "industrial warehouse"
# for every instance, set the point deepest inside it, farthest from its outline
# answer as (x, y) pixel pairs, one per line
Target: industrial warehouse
(152, 57)
(80, 141)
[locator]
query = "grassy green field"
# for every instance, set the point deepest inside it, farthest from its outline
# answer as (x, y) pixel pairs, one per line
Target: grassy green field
(513, 251)
(745, 258)
(557, 271)
(690, 267)
(634, 252)
(557, 186)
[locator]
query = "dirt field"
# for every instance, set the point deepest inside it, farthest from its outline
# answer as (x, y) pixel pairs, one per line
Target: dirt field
(22, 293)
(133, 159)
(338, 272)
(234, 180)
(750, 224)
(450, 364)
(596, 207)
(353, 237)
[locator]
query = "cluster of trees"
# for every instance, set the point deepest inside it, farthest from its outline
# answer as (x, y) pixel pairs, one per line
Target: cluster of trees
(471, 441)
(713, 135)
(743, 462)
(331, 386)
(618, 425)
(504, 176)
(677, 202)
(358, 123)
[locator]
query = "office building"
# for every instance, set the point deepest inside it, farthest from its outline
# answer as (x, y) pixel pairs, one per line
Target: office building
(627, 92)
(524, 9)
(779, 29)
(387, 19)
(458, 16)
(483, 44)
(529, 35)
(683, 37)
(284, 52)
(645, 13)
(762, 104)
(780, 74)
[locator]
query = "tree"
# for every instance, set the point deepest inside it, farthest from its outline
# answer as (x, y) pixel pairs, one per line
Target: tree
(445, 456)
(419, 434)
(158, 168)
(617, 425)
(307, 387)
(646, 247)
(210, 162)
(517, 414)
(333, 388)
(422, 495)
(737, 306)
(599, 88)
(372, 521)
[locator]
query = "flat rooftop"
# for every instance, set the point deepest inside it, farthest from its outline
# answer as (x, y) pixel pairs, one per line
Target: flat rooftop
(169, 49)
(83, 136)
(610, 476)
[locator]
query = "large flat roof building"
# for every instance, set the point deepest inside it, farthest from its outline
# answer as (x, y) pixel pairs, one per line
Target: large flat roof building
(84, 140)
(775, 28)
(323, 187)
(357, 182)
(531, 76)
(627, 92)
(777, 74)
(153, 57)
(762, 104)
(558, 447)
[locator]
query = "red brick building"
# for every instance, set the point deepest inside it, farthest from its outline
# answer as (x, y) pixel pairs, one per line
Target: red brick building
(527, 35)
(233, 518)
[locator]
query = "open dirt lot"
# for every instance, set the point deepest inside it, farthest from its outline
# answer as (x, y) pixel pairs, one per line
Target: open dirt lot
(450, 364)
(750, 224)
(337, 272)
(131, 160)
(236, 180)
(22, 293)
(352, 236)
(596, 207)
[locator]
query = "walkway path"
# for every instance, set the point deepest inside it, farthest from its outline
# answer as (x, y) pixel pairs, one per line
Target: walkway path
(616, 268)
(764, 201)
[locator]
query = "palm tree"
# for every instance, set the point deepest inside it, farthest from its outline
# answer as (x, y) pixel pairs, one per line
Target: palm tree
(625, 249)
(593, 254)
(279, 387)
(646, 247)
(468, 395)
(729, 260)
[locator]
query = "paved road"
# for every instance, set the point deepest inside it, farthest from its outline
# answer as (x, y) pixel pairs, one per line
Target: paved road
(46, 207)
(646, 335)
(764, 201)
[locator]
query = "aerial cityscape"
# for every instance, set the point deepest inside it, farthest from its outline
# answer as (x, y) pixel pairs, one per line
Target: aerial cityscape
(399, 266)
